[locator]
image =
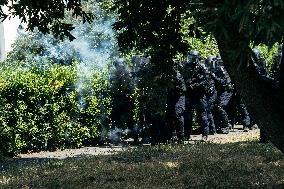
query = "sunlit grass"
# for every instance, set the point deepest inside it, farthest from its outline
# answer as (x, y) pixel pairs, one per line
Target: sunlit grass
(201, 165)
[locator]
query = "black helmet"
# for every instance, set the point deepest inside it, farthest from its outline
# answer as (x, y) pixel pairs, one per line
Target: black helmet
(257, 53)
(210, 59)
(192, 56)
(219, 58)
(210, 62)
(194, 53)
(119, 63)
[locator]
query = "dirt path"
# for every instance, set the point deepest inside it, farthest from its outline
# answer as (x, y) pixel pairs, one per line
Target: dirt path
(85, 151)
(235, 135)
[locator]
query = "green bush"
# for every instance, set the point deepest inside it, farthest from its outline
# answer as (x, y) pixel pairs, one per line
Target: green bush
(40, 109)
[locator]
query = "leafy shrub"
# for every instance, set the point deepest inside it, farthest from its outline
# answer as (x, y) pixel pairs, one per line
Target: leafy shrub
(40, 109)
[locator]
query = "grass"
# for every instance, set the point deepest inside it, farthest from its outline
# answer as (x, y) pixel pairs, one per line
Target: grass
(200, 165)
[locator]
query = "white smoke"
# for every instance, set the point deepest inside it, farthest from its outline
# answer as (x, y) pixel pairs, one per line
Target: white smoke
(115, 135)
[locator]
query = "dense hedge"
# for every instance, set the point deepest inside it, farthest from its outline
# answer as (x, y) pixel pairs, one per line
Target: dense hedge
(43, 109)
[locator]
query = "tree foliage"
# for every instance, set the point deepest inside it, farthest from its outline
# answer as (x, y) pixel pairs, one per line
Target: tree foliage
(143, 26)
(48, 16)
(151, 24)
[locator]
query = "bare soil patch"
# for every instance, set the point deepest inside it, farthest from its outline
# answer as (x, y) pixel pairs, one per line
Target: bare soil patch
(235, 135)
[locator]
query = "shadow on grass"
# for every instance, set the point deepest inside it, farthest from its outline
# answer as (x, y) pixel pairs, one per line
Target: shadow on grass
(201, 165)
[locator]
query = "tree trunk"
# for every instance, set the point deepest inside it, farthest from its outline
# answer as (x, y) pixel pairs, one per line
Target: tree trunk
(262, 100)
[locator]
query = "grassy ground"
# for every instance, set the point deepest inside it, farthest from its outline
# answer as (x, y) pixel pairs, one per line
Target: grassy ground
(200, 165)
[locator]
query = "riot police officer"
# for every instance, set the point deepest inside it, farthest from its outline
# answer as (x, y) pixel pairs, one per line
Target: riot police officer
(224, 89)
(196, 83)
(176, 107)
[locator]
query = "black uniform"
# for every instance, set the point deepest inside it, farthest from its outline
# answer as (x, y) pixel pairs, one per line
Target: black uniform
(225, 90)
(197, 89)
(211, 95)
(240, 112)
(176, 107)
